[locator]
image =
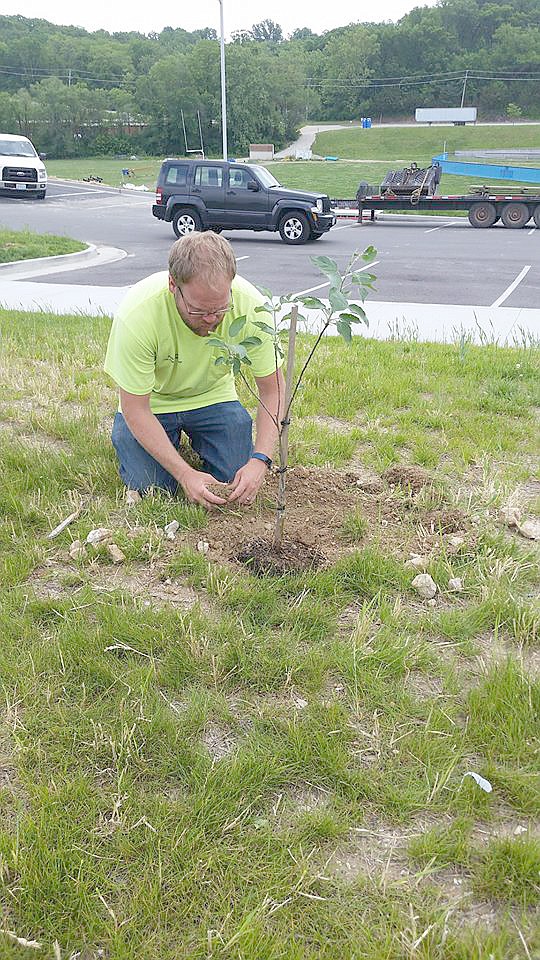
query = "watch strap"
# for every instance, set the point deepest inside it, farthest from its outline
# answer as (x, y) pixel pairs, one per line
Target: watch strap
(263, 458)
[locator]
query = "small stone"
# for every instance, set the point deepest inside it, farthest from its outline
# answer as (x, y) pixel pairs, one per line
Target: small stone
(167, 581)
(300, 704)
(417, 562)
(530, 529)
(510, 516)
(519, 830)
(77, 550)
(203, 546)
(98, 535)
(115, 553)
(432, 602)
(456, 541)
(425, 586)
(455, 584)
(132, 497)
(171, 529)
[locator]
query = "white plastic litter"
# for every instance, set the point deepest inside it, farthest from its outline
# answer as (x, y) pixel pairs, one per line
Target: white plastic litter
(484, 784)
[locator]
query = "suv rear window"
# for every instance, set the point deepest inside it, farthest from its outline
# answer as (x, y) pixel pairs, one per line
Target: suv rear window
(177, 174)
(209, 177)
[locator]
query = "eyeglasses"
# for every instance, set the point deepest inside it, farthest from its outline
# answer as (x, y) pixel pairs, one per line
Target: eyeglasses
(201, 314)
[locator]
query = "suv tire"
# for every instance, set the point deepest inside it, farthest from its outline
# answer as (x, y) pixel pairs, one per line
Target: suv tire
(186, 221)
(294, 227)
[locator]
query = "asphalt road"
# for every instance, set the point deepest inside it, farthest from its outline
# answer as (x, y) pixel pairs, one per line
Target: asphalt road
(427, 261)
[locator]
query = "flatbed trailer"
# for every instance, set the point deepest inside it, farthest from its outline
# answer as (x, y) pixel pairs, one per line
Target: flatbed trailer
(484, 209)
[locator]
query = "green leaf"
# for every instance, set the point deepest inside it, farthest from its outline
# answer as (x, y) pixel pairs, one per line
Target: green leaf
(327, 266)
(217, 342)
(251, 342)
(266, 293)
(238, 350)
(369, 254)
(356, 308)
(338, 301)
(344, 330)
(220, 360)
(264, 308)
(236, 326)
(265, 327)
(351, 318)
(312, 303)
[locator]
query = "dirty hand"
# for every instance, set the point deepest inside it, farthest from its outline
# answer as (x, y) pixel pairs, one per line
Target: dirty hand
(195, 486)
(247, 481)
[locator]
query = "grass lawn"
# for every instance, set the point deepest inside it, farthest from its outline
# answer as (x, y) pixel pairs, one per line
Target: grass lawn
(196, 763)
(379, 149)
(25, 245)
(422, 143)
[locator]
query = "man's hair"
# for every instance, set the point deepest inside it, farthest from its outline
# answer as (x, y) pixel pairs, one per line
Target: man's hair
(206, 256)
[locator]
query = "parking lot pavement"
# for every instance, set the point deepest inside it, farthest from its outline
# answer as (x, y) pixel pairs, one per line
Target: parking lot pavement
(425, 261)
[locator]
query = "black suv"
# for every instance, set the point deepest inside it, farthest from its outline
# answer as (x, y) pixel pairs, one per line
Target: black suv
(219, 195)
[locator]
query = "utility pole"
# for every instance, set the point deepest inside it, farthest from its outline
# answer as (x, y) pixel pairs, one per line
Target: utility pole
(223, 89)
(466, 77)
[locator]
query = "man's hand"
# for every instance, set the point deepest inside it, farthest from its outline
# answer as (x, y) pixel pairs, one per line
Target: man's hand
(195, 486)
(247, 481)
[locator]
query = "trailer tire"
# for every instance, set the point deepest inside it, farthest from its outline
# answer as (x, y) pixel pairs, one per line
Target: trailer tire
(537, 216)
(482, 215)
(515, 215)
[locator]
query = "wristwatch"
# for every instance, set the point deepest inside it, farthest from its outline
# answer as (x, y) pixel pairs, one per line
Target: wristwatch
(263, 458)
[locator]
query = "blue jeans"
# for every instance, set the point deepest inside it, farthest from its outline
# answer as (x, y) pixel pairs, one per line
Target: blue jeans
(220, 434)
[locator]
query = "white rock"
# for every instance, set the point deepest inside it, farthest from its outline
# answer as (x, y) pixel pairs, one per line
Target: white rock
(530, 529)
(519, 830)
(425, 586)
(77, 550)
(171, 529)
(510, 516)
(432, 602)
(132, 497)
(115, 553)
(99, 535)
(300, 704)
(203, 546)
(456, 541)
(455, 584)
(417, 562)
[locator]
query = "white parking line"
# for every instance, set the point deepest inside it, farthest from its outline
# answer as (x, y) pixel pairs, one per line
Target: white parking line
(81, 193)
(321, 285)
(504, 296)
(440, 227)
(242, 258)
(531, 231)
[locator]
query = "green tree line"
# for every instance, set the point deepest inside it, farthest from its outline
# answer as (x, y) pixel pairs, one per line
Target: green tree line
(76, 92)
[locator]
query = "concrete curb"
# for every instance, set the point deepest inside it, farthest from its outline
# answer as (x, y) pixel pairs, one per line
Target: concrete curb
(94, 255)
(59, 258)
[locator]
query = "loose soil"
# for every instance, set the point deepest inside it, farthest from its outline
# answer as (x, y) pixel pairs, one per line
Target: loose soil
(318, 501)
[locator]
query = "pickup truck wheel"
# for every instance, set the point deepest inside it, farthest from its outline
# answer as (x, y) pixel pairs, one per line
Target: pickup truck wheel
(186, 221)
(515, 215)
(482, 215)
(294, 228)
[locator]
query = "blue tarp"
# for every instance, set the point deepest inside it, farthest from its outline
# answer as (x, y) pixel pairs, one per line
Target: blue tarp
(483, 171)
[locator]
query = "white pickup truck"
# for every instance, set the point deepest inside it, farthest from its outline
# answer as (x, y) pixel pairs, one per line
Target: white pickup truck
(22, 171)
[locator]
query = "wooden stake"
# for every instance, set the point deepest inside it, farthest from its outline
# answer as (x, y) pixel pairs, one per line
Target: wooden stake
(284, 432)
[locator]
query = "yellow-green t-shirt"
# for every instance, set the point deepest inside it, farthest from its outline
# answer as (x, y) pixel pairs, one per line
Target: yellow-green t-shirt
(152, 351)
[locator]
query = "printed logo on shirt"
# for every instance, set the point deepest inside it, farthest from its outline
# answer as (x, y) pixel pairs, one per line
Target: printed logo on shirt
(175, 359)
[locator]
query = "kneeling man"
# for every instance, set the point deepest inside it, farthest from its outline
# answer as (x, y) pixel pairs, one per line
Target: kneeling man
(169, 383)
